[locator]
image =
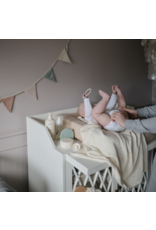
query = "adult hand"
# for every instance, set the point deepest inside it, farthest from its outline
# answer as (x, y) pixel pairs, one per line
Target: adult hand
(133, 113)
(119, 118)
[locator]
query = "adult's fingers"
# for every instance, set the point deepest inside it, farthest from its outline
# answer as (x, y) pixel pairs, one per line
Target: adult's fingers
(116, 115)
(128, 110)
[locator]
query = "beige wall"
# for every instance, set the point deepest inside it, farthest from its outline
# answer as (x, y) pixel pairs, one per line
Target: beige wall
(97, 64)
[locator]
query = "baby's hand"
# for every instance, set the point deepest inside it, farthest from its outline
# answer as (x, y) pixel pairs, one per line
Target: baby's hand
(84, 96)
(114, 89)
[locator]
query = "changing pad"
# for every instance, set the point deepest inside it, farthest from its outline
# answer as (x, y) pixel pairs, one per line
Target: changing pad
(72, 122)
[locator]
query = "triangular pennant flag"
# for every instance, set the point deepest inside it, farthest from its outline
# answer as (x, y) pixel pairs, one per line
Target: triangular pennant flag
(50, 75)
(32, 91)
(8, 102)
(64, 56)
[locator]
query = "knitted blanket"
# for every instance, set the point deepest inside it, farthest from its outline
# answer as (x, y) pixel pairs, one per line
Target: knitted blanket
(124, 152)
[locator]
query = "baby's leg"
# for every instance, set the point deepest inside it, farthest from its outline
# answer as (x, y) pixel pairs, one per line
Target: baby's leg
(98, 111)
(121, 102)
(121, 98)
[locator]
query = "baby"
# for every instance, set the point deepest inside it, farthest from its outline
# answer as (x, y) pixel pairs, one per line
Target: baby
(102, 112)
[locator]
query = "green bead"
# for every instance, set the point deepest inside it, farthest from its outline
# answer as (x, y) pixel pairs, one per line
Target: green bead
(67, 133)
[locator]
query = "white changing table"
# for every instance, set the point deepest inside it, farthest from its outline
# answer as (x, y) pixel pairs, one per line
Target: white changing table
(51, 168)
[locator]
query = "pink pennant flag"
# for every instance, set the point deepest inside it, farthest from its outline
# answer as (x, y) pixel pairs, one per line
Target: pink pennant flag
(64, 56)
(32, 91)
(8, 103)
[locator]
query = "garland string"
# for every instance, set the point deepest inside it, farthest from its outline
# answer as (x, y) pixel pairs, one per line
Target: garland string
(39, 78)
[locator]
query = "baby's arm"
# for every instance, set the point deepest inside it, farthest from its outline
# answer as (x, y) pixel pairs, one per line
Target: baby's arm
(88, 109)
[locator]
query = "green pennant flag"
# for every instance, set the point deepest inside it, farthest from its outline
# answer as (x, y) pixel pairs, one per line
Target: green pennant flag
(50, 75)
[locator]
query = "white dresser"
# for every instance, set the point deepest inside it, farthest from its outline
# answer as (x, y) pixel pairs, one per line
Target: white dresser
(53, 169)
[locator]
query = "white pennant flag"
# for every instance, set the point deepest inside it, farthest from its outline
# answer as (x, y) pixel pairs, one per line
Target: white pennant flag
(64, 56)
(32, 91)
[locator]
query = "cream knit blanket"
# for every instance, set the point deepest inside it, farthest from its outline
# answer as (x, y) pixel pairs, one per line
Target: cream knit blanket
(124, 152)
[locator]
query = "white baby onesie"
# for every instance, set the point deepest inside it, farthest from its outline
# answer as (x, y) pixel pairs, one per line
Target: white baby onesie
(112, 126)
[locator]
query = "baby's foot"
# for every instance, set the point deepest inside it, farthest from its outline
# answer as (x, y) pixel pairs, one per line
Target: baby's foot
(114, 89)
(117, 89)
(104, 95)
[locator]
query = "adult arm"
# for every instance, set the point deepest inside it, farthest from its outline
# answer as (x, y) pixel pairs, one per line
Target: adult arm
(141, 126)
(147, 112)
(144, 125)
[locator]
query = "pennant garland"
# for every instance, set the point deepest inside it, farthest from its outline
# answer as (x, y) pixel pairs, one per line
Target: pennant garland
(32, 90)
(8, 103)
(64, 56)
(50, 75)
